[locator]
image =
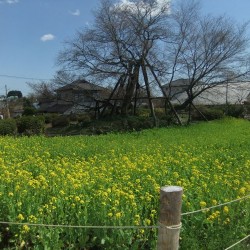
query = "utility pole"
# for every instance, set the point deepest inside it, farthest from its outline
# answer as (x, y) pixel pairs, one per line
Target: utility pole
(7, 104)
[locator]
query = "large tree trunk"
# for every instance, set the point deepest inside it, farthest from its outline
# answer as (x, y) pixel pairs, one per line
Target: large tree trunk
(130, 89)
(119, 83)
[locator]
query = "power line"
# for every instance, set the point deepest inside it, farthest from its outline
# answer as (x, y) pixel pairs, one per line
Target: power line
(25, 78)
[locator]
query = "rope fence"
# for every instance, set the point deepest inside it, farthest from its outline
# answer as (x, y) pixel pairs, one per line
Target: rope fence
(78, 226)
(220, 205)
(160, 226)
(118, 227)
(238, 242)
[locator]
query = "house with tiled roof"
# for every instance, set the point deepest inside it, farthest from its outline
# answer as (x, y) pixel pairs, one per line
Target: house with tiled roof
(77, 97)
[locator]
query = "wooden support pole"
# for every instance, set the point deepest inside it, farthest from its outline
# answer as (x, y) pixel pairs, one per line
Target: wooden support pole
(170, 218)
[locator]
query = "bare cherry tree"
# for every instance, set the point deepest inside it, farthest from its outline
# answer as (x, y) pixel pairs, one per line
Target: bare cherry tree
(118, 44)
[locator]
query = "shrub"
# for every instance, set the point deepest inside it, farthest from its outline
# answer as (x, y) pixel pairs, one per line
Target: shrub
(247, 108)
(49, 117)
(160, 113)
(73, 117)
(84, 118)
(138, 123)
(235, 111)
(211, 113)
(60, 121)
(29, 111)
(8, 127)
(31, 125)
(143, 112)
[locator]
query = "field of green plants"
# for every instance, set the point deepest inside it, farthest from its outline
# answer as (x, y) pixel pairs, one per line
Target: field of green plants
(115, 180)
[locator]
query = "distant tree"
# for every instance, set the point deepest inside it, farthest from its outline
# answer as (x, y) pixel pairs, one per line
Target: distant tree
(29, 111)
(15, 93)
(28, 101)
(63, 77)
(207, 51)
(42, 90)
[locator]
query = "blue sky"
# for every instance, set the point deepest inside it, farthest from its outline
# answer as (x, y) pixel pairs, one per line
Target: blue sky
(32, 32)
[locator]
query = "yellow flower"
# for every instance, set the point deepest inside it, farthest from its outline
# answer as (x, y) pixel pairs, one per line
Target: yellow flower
(242, 191)
(137, 219)
(26, 229)
(214, 202)
(226, 221)
(175, 174)
(213, 216)
(77, 198)
(147, 221)
(19, 203)
(203, 204)
(225, 209)
(118, 215)
(32, 219)
(20, 217)
(142, 231)
(22, 244)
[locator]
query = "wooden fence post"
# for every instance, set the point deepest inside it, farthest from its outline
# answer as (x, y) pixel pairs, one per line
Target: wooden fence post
(170, 218)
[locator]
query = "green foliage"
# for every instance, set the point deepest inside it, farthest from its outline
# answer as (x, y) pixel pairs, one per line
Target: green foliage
(29, 111)
(8, 127)
(143, 112)
(30, 125)
(138, 123)
(84, 118)
(235, 111)
(14, 93)
(211, 113)
(27, 102)
(60, 121)
(247, 108)
(160, 113)
(49, 117)
(73, 118)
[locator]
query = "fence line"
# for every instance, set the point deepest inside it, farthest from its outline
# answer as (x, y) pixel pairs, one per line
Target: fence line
(238, 242)
(220, 205)
(174, 227)
(78, 226)
(118, 227)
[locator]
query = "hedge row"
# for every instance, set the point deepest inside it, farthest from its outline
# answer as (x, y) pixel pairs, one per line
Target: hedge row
(26, 125)
(35, 125)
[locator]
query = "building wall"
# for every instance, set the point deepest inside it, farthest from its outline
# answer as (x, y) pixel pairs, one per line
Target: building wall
(231, 93)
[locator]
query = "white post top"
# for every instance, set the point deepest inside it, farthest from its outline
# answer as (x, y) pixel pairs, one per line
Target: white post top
(171, 189)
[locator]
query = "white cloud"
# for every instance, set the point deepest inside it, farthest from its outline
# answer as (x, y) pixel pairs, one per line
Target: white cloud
(9, 1)
(47, 37)
(75, 13)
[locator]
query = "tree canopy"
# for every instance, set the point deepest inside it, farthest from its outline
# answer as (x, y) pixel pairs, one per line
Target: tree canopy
(15, 93)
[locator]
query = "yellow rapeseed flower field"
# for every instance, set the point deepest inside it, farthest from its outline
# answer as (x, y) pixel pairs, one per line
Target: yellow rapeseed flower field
(114, 180)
